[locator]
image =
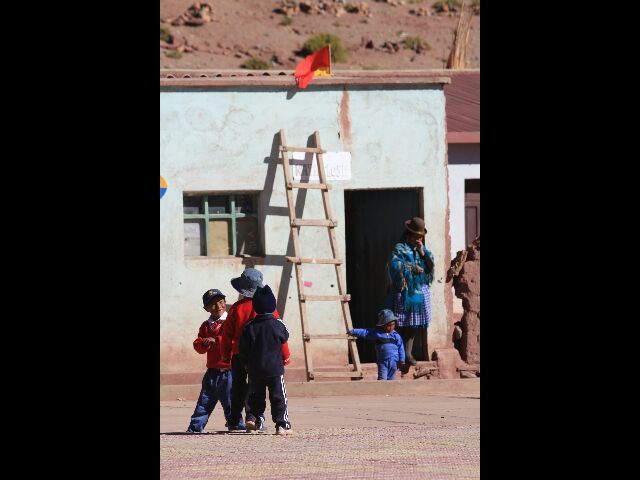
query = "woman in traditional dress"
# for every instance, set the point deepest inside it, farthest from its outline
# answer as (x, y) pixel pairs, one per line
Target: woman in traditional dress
(411, 274)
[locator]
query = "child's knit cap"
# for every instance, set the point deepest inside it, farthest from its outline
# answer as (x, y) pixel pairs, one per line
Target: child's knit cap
(263, 300)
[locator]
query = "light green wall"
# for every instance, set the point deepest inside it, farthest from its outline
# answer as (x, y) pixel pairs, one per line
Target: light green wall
(221, 140)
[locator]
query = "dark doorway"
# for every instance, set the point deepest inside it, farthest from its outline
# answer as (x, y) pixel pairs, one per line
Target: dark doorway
(471, 209)
(374, 222)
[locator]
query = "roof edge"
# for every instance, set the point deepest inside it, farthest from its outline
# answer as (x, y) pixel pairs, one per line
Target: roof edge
(284, 78)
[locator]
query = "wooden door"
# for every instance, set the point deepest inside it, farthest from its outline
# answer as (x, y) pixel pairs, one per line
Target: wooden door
(374, 223)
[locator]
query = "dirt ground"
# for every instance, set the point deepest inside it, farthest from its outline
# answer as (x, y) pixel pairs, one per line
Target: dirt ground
(346, 437)
(241, 29)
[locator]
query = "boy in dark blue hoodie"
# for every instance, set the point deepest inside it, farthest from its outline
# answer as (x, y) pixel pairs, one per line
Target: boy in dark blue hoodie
(260, 350)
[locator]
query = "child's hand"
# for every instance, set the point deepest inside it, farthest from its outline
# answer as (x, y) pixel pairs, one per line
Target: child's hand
(208, 340)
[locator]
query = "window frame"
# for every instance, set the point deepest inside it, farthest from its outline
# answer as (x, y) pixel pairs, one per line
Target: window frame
(233, 216)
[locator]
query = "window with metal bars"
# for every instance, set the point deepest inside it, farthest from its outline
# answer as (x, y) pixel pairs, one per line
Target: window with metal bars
(220, 225)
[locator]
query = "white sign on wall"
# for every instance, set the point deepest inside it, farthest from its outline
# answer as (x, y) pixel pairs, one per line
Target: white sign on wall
(337, 166)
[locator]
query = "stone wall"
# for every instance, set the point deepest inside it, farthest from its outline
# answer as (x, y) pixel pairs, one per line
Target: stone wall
(465, 275)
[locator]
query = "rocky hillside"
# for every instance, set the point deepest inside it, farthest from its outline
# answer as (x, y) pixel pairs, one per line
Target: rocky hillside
(382, 34)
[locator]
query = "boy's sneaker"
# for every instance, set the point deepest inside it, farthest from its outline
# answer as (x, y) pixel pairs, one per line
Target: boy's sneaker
(256, 426)
(250, 422)
(284, 429)
(239, 427)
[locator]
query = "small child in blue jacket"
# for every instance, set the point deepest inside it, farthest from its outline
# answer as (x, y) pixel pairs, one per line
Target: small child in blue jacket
(389, 346)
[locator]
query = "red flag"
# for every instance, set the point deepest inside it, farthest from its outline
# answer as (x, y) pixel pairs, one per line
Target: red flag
(315, 65)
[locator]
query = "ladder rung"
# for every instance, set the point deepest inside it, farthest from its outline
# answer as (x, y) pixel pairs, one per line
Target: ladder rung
(321, 186)
(324, 298)
(334, 336)
(339, 374)
(285, 148)
(332, 261)
(298, 222)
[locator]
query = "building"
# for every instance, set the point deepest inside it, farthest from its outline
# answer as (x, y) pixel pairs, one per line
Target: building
(225, 205)
(463, 139)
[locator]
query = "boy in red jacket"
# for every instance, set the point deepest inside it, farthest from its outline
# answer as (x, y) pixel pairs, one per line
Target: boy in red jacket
(239, 314)
(216, 383)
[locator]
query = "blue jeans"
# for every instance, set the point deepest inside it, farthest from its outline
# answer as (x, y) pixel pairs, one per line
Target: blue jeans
(216, 387)
(387, 369)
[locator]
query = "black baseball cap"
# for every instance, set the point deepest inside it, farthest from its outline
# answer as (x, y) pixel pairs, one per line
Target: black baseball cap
(211, 295)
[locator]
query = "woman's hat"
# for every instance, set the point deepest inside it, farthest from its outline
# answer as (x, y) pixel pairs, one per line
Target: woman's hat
(416, 225)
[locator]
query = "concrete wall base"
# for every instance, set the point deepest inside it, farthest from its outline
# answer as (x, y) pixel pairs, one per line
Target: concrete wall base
(295, 374)
(467, 386)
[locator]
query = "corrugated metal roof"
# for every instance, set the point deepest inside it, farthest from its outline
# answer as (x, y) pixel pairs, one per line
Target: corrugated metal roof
(463, 101)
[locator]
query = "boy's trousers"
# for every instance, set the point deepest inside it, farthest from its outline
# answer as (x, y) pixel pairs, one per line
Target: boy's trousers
(277, 398)
(239, 390)
(387, 369)
(216, 387)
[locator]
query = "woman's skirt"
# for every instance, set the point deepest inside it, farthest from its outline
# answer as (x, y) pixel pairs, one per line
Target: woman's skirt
(421, 318)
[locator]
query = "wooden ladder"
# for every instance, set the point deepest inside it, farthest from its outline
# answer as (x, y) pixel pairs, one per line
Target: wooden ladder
(297, 260)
